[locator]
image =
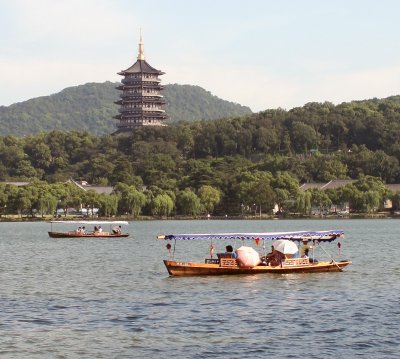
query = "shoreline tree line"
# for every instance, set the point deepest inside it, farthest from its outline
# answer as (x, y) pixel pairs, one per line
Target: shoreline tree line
(235, 166)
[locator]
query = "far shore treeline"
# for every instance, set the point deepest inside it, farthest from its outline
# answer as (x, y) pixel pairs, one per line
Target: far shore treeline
(235, 166)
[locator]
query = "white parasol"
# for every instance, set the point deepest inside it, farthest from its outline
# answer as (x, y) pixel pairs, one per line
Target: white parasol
(285, 246)
(247, 257)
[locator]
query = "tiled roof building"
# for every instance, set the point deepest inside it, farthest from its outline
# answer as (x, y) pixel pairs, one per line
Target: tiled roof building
(333, 184)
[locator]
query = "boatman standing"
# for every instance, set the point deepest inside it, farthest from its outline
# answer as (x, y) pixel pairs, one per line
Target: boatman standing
(304, 247)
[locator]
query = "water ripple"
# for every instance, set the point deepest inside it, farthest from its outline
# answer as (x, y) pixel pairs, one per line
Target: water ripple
(113, 299)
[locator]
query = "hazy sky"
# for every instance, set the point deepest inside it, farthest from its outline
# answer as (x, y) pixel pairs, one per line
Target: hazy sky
(259, 53)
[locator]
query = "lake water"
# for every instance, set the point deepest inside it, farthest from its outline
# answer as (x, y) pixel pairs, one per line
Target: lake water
(96, 298)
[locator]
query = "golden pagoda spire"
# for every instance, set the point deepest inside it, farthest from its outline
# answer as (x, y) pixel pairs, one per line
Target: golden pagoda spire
(141, 47)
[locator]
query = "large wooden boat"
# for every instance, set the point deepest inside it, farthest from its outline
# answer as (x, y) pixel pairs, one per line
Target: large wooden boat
(81, 232)
(223, 267)
(231, 266)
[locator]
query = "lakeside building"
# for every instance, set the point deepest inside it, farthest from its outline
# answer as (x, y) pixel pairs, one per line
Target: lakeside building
(141, 102)
(341, 209)
(333, 184)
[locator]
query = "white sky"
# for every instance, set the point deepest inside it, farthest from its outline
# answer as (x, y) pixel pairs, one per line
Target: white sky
(260, 53)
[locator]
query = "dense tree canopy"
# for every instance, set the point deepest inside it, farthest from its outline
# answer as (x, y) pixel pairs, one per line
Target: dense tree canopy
(222, 166)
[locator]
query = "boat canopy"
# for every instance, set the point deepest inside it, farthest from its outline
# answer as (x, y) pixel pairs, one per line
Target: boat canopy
(321, 236)
(91, 222)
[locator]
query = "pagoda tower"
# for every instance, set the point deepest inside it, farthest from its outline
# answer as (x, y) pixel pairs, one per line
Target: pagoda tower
(141, 102)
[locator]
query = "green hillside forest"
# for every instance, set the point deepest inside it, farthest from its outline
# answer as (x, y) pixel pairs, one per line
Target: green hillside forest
(239, 165)
(91, 108)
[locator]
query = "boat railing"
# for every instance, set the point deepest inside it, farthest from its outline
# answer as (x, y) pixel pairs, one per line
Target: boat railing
(295, 261)
(223, 262)
(228, 262)
(211, 261)
(232, 262)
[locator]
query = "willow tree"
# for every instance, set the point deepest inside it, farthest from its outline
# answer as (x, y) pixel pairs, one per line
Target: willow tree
(162, 205)
(372, 201)
(108, 204)
(303, 202)
(134, 201)
(209, 197)
(188, 202)
(46, 204)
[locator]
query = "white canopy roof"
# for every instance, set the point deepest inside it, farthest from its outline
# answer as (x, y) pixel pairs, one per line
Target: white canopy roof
(294, 236)
(91, 222)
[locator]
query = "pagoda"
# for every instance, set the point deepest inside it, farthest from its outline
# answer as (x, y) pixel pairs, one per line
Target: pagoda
(141, 102)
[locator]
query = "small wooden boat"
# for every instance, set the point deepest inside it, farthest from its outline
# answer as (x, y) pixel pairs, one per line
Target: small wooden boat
(97, 232)
(73, 234)
(232, 266)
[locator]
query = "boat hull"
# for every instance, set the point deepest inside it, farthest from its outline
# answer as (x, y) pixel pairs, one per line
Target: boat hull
(199, 269)
(86, 235)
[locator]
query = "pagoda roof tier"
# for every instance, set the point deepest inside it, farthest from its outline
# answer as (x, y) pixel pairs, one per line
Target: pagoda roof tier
(141, 79)
(145, 95)
(153, 101)
(126, 116)
(139, 111)
(141, 66)
(126, 82)
(140, 118)
(147, 99)
(130, 126)
(138, 85)
(140, 89)
(138, 104)
(132, 82)
(150, 110)
(124, 122)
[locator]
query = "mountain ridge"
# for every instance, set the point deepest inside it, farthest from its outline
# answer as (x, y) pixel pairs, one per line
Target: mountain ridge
(90, 107)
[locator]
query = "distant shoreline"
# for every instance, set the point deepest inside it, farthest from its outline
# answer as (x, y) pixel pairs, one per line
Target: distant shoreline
(379, 215)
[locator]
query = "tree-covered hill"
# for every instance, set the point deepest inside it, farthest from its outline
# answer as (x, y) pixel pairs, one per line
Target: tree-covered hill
(190, 103)
(230, 165)
(91, 108)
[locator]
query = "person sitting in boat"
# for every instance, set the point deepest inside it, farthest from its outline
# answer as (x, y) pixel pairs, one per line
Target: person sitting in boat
(100, 229)
(274, 258)
(116, 230)
(229, 253)
(304, 247)
(311, 260)
(265, 259)
(96, 229)
(83, 230)
(79, 230)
